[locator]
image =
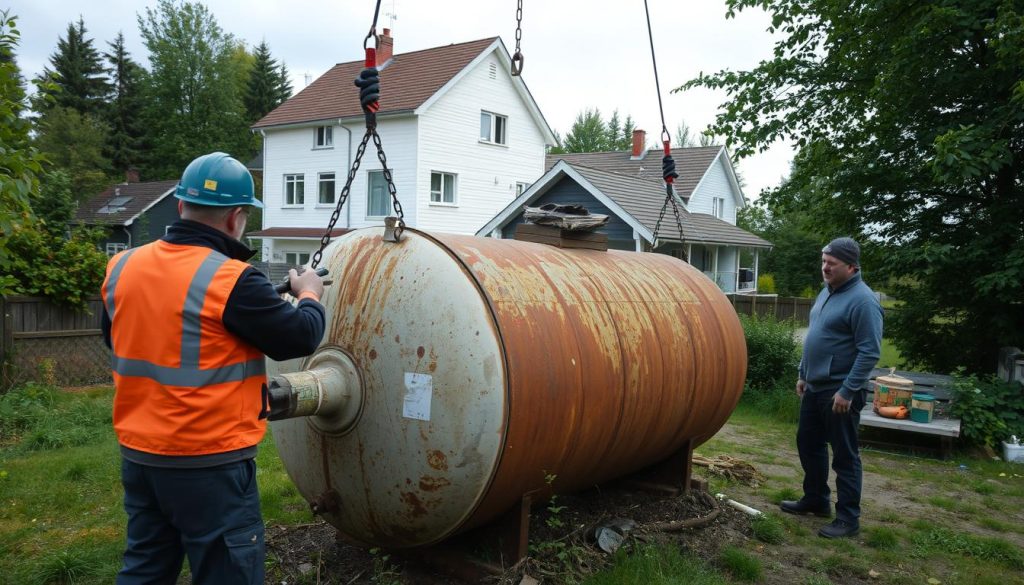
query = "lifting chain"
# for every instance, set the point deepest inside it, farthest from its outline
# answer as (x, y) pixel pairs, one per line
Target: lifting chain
(369, 99)
(517, 57)
(668, 165)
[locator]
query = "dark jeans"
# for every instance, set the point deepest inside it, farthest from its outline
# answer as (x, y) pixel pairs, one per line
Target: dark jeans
(210, 514)
(819, 427)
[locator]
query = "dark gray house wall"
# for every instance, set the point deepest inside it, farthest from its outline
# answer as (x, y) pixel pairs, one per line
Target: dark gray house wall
(565, 191)
(151, 225)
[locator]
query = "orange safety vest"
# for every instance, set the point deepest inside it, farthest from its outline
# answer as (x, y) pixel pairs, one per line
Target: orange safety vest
(184, 384)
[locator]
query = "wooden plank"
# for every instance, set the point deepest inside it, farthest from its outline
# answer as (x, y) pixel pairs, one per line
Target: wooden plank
(64, 333)
(548, 230)
(945, 427)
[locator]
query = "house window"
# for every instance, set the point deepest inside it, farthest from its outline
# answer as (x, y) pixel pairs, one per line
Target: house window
(326, 189)
(442, 188)
(296, 258)
(324, 137)
(520, 187)
(294, 189)
(718, 207)
(493, 127)
(378, 202)
(114, 248)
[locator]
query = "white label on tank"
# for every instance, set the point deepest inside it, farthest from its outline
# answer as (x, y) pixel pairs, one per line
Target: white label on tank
(418, 389)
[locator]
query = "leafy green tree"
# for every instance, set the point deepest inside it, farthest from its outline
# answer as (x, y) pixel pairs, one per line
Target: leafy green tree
(910, 120)
(46, 264)
(20, 162)
(55, 207)
(267, 86)
(75, 143)
(78, 76)
(794, 258)
(193, 102)
(590, 133)
(125, 113)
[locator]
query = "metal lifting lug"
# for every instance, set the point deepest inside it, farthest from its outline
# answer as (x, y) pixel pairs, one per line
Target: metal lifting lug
(393, 229)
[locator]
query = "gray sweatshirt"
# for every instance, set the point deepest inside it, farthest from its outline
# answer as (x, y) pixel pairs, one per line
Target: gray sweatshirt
(844, 340)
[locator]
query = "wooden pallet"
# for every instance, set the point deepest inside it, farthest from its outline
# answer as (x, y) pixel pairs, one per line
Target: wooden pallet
(553, 236)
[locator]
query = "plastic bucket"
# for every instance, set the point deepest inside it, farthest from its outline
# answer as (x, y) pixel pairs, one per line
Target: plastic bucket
(922, 408)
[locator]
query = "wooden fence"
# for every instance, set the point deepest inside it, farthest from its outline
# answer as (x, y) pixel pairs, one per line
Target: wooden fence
(44, 342)
(781, 308)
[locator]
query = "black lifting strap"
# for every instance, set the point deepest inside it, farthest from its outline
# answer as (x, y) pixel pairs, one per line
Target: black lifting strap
(368, 83)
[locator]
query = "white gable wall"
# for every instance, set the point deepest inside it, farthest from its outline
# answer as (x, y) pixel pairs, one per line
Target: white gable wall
(486, 174)
(714, 184)
(290, 151)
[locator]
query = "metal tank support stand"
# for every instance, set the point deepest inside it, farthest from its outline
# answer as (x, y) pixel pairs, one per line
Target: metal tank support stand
(503, 543)
(673, 475)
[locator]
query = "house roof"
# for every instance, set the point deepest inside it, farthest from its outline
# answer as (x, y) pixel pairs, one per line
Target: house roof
(295, 232)
(691, 164)
(120, 204)
(407, 81)
(638, 202)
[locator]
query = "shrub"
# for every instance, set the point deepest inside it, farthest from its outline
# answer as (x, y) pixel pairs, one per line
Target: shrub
(990, 409)
(766, 284)
(771, 352)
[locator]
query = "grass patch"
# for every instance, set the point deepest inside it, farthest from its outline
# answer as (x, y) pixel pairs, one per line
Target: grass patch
(657, 565)
(741, 564)
(983, 487)
(996, 525)
(943, 502)
(881, 537)
(786, 493)
(840, 564)
(890, 357)
(929, 539)
(768, 528)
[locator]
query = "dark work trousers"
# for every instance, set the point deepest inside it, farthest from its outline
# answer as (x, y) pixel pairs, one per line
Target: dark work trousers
(211, 514)
(819, 427)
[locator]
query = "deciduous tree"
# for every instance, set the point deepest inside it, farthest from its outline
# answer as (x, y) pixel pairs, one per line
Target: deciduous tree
(193, 102)
(910, 120)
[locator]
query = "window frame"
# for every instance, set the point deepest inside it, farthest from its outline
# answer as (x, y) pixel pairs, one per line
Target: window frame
(300, 180)
(113, 248)
(298, 257)
(521, 187)
(454, 183)
(492, 129)
(319, 189)
(718, 207)
(387, 195)
(323, 137)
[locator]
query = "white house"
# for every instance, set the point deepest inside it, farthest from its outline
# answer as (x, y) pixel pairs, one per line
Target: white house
(463, 138)
(629, 188)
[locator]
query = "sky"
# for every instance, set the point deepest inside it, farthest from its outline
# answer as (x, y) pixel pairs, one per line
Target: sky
(578, 54)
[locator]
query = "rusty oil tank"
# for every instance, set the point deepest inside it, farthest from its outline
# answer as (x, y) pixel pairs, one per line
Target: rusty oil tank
(468, 371)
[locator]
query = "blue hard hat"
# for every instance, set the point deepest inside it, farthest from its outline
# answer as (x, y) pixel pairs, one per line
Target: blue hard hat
(217, 179)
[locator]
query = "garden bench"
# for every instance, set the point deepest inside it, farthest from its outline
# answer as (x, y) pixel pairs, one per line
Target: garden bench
(943, 425)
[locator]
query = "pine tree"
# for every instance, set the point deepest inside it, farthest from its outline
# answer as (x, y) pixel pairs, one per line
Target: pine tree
(78, 73)
(268, 85)
(125, 113)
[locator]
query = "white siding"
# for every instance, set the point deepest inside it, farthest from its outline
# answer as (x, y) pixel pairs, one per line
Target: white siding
(714, 184)
(290, 151)
(449, 141)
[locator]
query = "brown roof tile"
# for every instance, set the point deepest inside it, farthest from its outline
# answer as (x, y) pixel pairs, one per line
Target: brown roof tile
(409, 80)
(135, 197)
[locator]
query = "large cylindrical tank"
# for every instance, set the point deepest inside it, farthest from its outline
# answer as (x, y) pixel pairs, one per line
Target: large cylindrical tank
(488, 366)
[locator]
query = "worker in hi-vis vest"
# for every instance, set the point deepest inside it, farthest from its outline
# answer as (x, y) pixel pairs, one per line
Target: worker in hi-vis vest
(189, 323)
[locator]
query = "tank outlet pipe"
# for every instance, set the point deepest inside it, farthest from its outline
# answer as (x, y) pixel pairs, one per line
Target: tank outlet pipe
(741, 507)
(329, 391)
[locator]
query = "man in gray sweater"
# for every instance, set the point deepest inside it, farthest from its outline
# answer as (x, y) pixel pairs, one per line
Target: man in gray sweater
(842, 346)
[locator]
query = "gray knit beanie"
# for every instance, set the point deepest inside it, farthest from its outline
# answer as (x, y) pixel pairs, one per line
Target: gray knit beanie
(843, 249)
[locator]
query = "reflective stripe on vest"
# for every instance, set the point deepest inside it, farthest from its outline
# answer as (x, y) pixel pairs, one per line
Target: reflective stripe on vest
(115, 273)
(188, 374)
